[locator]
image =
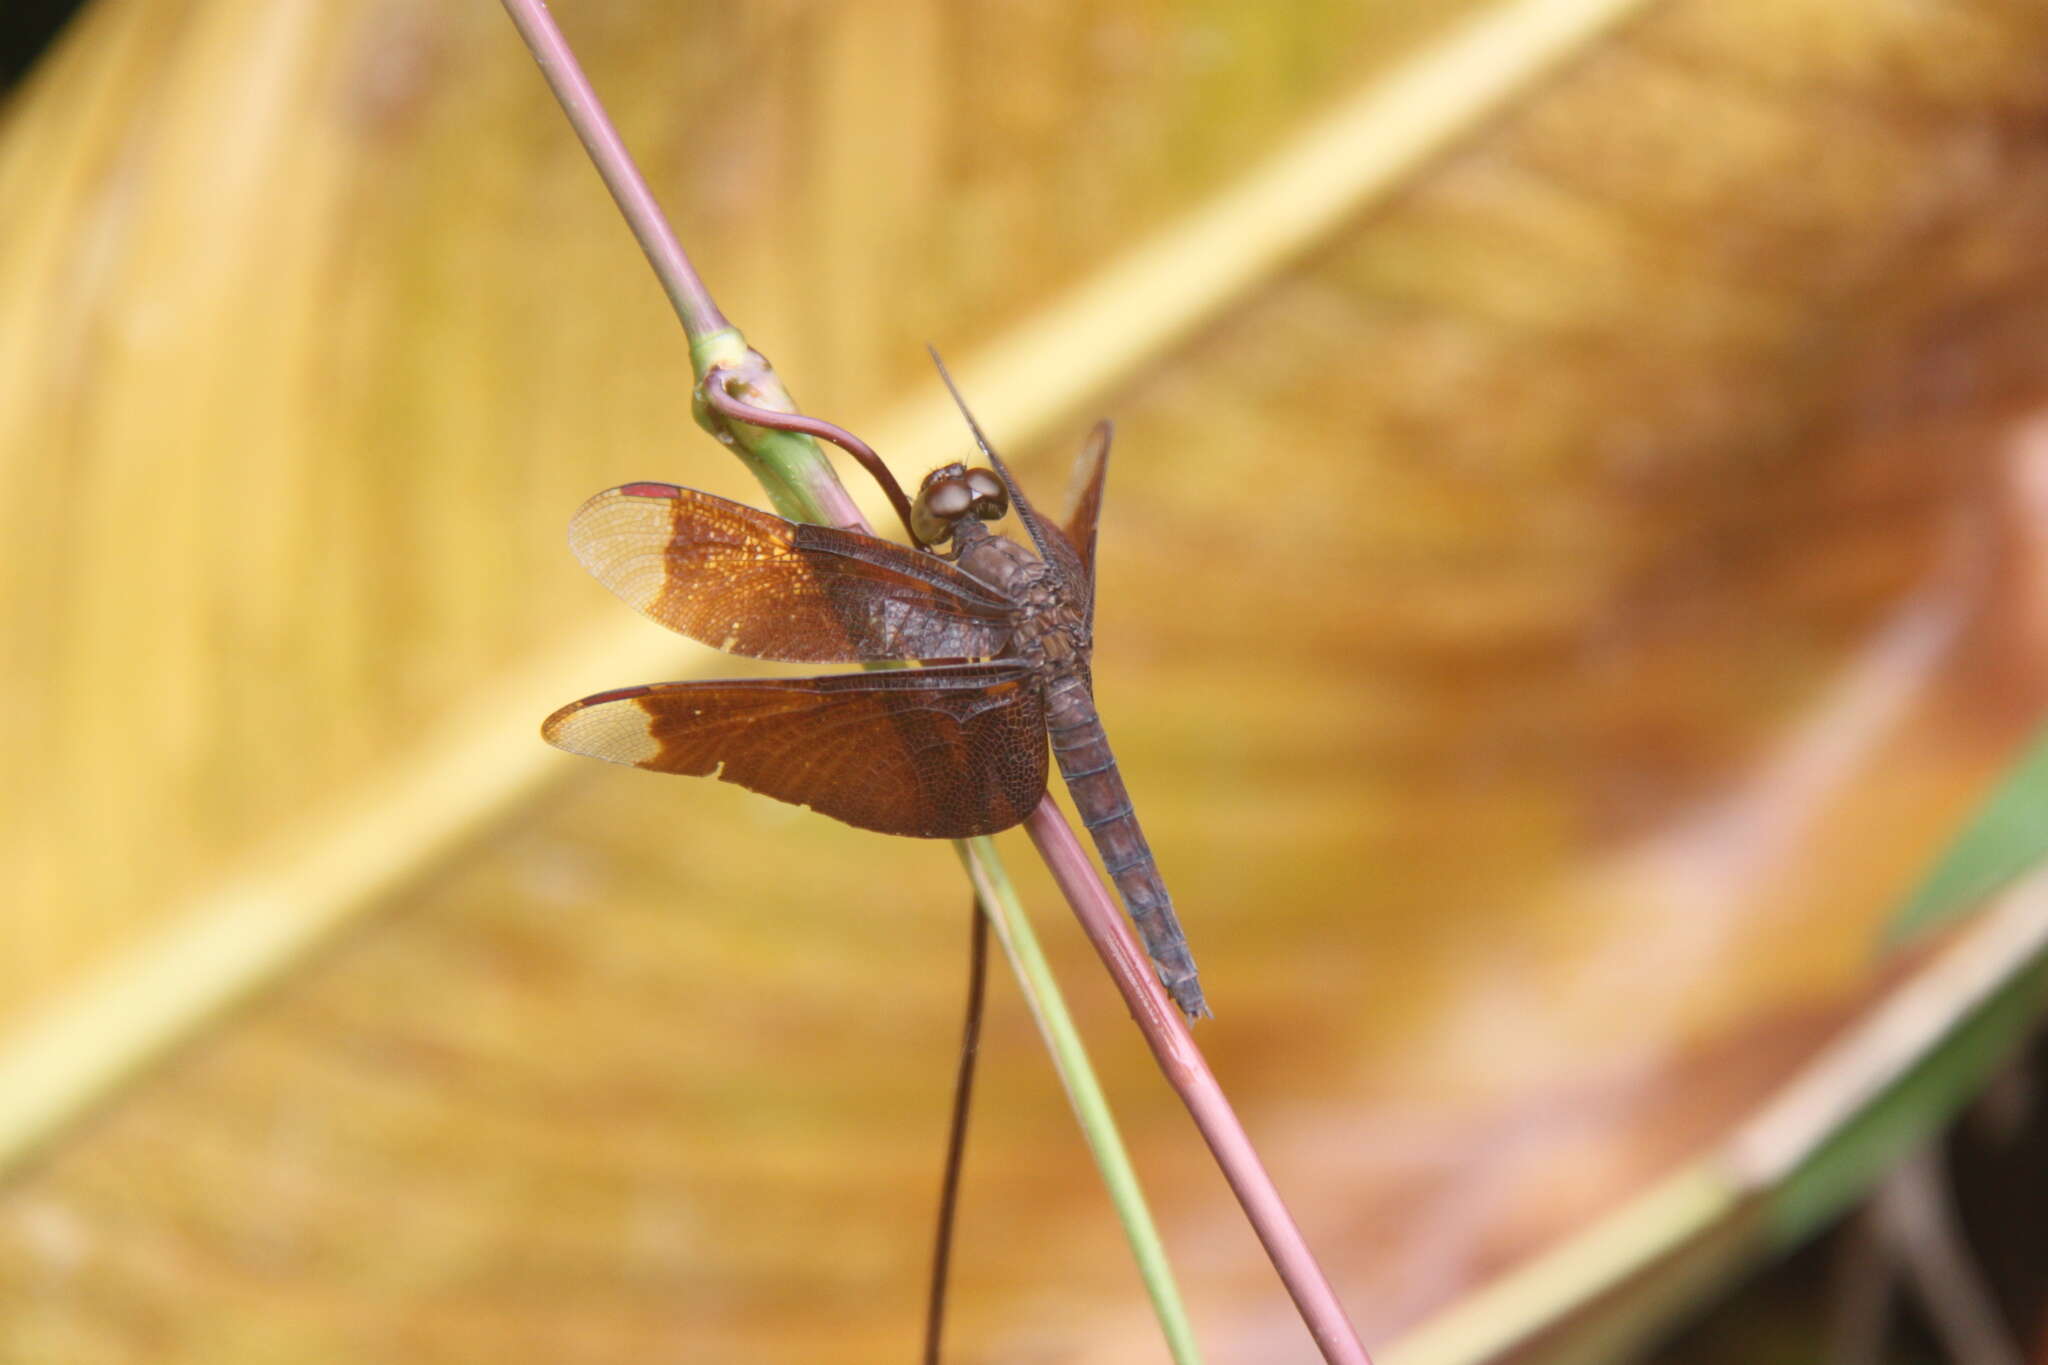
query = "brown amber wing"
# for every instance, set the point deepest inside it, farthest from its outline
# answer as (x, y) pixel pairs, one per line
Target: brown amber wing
(1080, 528)
(938, 753)
(745, 580)
(1052, 543)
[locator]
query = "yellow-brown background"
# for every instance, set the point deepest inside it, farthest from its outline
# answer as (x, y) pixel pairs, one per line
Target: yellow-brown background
(1478, 593)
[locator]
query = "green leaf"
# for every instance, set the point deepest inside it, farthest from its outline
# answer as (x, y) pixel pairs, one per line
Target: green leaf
(2007, 836)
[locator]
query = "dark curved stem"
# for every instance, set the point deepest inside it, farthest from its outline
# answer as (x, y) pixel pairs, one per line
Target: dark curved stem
(956, 1134)
(738, 409)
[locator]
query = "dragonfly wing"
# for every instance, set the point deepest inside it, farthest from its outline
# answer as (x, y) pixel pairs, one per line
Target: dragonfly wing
(748, 581)
(1092, 466)
(938, 753)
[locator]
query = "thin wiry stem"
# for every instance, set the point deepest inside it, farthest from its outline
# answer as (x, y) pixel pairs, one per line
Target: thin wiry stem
(1865, 1283)
(956, 1130)
(1084, 1091)
(1918, 1219)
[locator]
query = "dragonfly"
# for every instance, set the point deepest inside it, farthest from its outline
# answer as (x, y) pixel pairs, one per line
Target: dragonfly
(1001, 633)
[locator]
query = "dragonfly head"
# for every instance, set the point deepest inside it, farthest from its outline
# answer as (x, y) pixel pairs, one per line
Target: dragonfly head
(953, 494)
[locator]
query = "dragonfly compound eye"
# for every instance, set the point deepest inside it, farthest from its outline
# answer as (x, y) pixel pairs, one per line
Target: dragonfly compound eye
(991, 499)
(945, 498)
(949, 501)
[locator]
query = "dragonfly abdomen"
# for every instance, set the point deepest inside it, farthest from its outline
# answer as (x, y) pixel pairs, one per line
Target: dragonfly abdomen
(1082, 751)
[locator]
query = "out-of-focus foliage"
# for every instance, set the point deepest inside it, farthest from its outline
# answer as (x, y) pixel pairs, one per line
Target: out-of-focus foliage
(2005, 837)
(1546, 630)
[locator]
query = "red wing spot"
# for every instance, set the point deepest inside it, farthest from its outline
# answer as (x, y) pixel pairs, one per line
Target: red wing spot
(616, 694)
(649, 490)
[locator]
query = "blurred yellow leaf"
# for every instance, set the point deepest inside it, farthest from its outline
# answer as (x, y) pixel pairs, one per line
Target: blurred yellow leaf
(1559, 586)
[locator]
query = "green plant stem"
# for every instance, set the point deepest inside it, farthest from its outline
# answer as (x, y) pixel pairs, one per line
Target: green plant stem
(1049, 1007)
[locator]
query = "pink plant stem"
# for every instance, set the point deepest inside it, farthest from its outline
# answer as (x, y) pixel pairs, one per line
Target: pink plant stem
(615, 164)
(1188, 1072)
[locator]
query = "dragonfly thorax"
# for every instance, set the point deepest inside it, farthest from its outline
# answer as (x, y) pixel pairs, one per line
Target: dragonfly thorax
(1048, 630)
